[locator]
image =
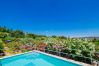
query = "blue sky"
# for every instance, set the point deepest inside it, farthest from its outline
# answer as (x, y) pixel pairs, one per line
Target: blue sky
(52, 17)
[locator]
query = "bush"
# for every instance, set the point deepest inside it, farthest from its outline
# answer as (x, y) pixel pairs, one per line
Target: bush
(1, 47)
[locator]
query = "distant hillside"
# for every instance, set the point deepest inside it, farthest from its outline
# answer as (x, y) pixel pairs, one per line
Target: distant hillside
(89, 38)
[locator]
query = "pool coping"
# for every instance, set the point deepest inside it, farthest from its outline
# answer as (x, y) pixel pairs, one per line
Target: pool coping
(65, 59)
(14, 55)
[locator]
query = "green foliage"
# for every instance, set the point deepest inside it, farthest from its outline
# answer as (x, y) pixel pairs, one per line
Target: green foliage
(4, 29)
(73, 46)
(17, 34)
(1, 47)
(30, 35)
(8, 38)
(3, 35)
(97, 45)
(14, 46)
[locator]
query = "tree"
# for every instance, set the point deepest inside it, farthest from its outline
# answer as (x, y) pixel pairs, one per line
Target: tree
(3, 35)
(17, 34)
(30, 35)
(1, 47)
(2, 29)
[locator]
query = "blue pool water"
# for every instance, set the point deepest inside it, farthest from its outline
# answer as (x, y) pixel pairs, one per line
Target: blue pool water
(34, 59)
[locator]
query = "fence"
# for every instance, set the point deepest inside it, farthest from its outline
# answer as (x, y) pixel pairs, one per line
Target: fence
(98, 63)
(71, 56)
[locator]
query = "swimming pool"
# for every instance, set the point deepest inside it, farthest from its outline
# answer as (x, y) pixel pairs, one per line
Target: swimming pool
(34, 59)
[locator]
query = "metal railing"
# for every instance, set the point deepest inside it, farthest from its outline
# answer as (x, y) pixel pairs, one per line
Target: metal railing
(97, 61)
(79, 58)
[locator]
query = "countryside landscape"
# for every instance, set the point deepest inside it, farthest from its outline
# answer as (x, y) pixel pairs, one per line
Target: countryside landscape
(16, 41)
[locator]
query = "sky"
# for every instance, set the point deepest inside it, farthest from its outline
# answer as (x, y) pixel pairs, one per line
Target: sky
(73, 18)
